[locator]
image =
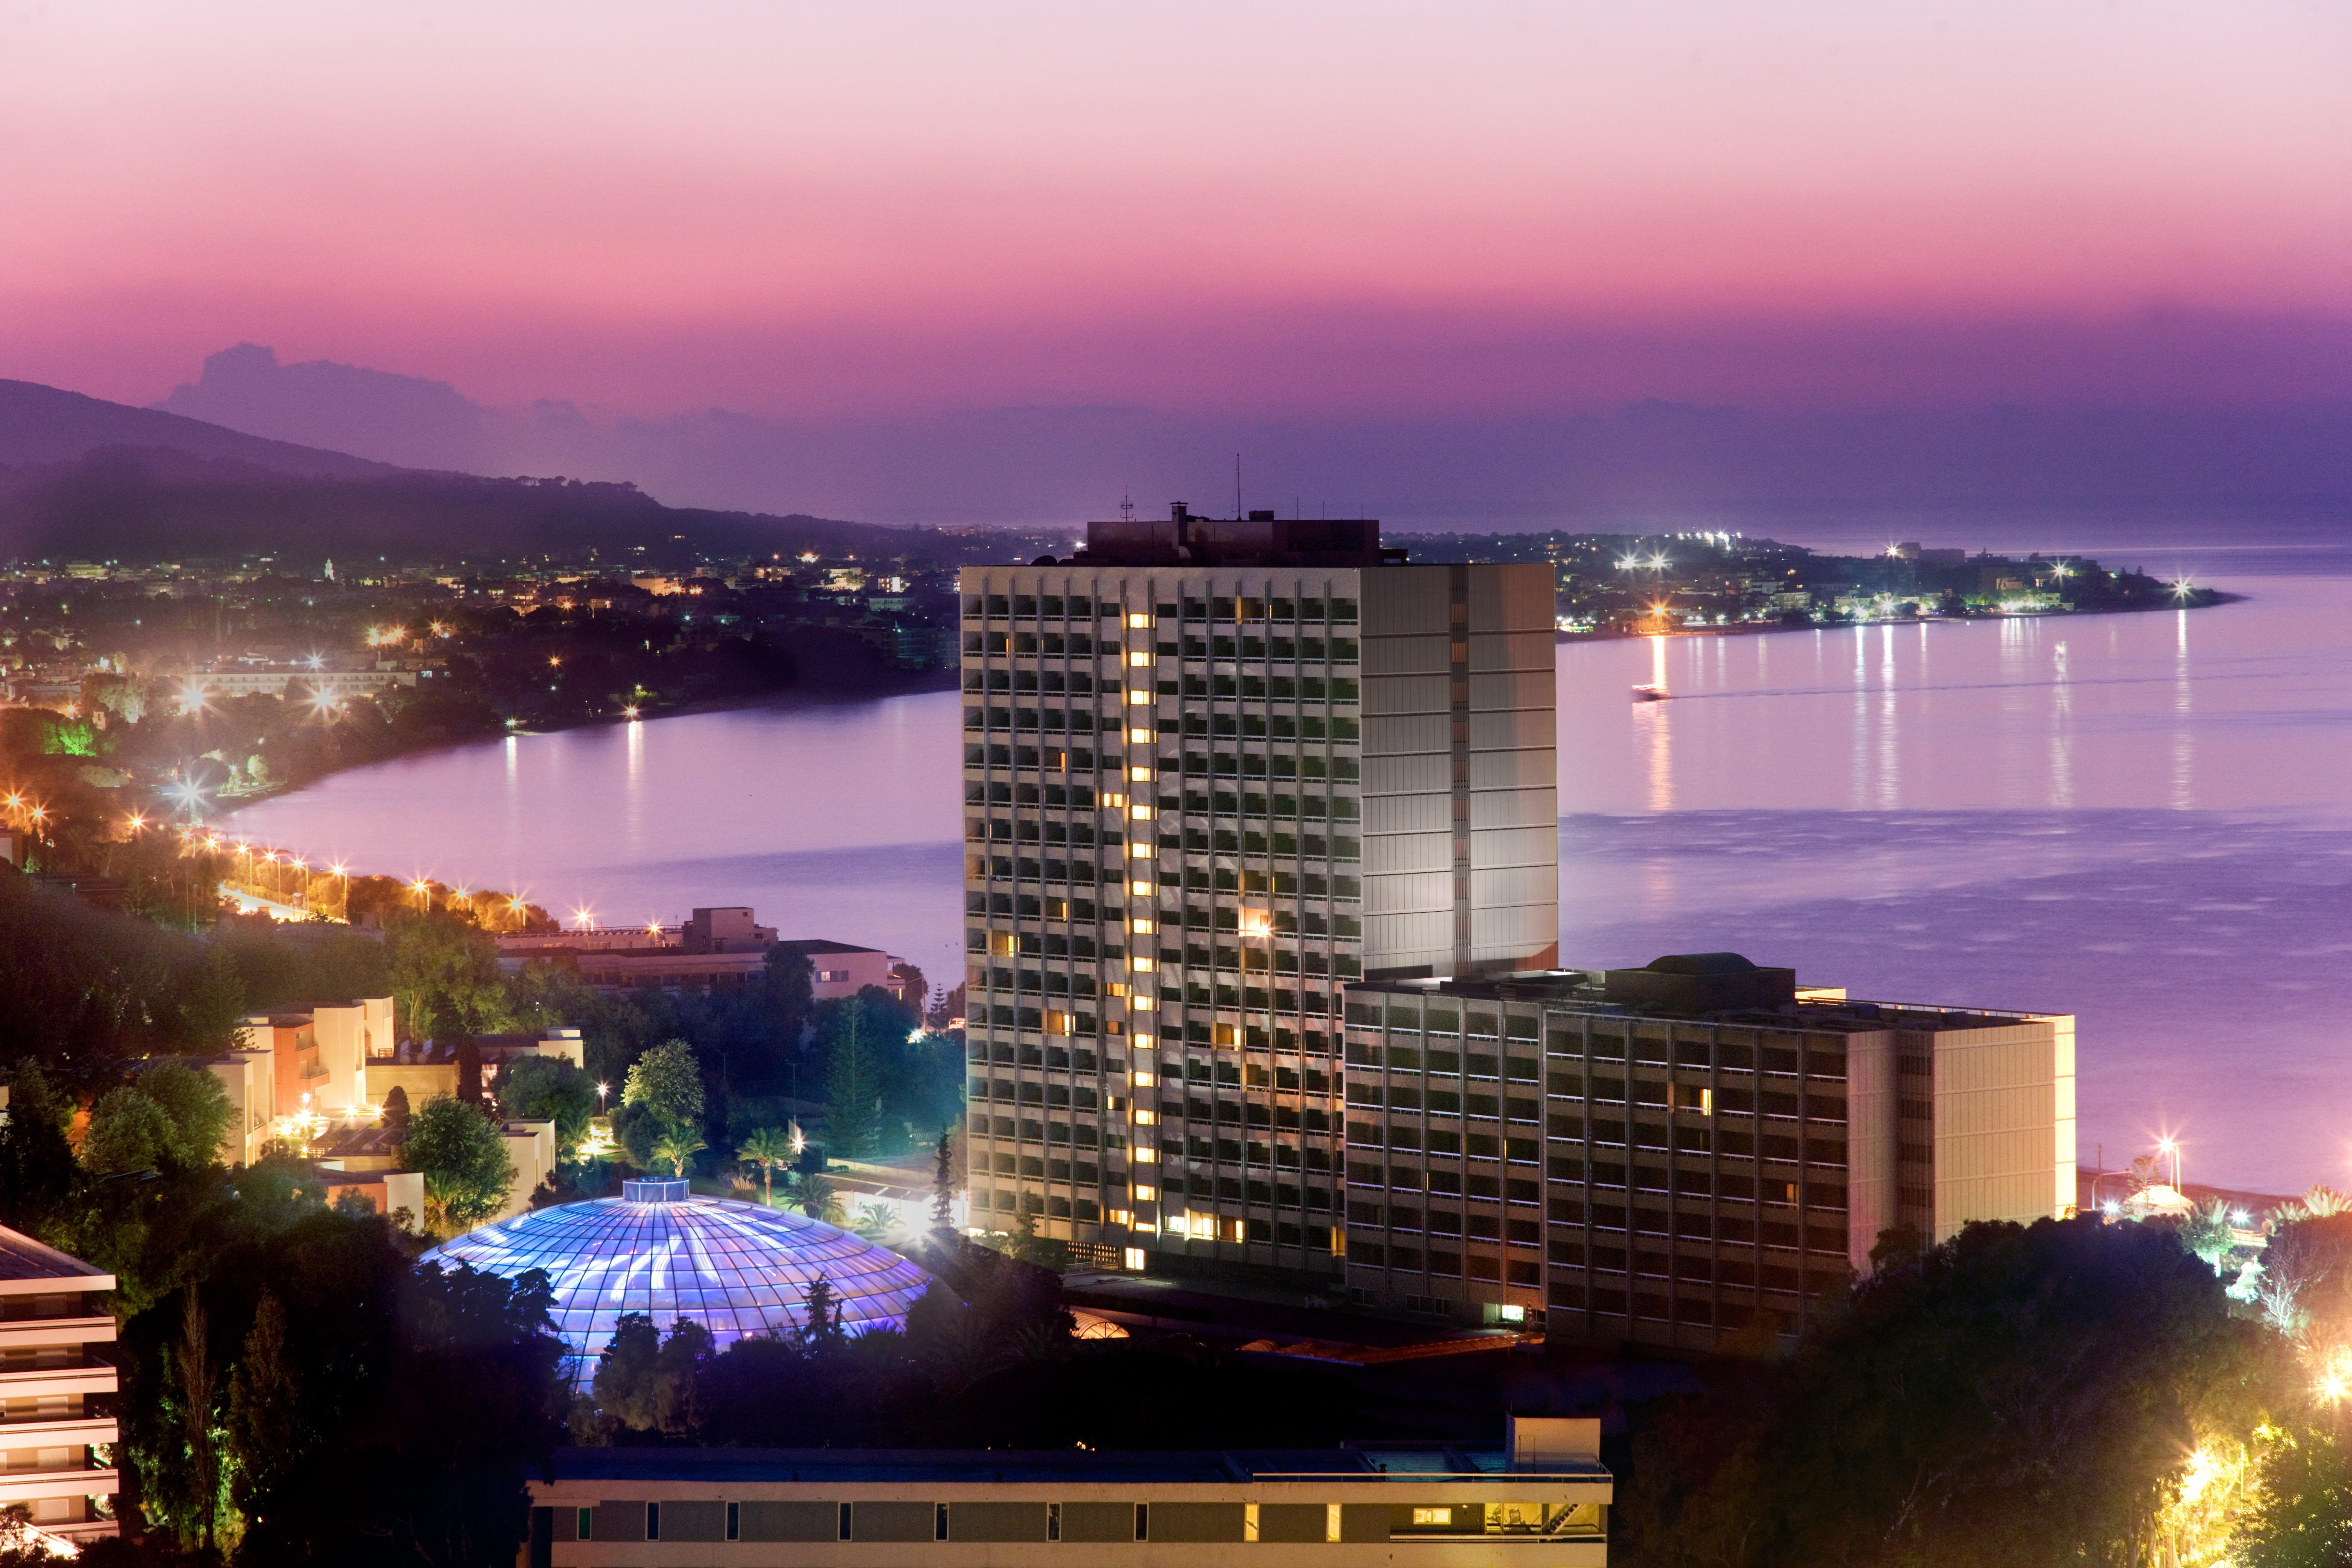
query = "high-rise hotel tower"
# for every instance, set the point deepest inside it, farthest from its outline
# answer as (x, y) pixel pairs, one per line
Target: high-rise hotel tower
(1214, 771)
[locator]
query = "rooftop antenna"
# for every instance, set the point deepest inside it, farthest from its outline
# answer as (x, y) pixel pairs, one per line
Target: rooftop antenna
(1237, 487)
(1125, 507)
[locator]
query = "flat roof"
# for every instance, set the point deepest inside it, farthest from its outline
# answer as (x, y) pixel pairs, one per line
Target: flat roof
(1581, 991)
(819, 944)
(1371, 1462)
(27, 1268)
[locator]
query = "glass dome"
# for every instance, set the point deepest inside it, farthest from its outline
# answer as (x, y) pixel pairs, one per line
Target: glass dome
(737, 1269)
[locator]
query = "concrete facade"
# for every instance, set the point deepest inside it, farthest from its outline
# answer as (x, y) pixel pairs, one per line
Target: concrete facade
(1543, 1498)
(54, 1390)
(838, 970)
(1210, 779)
(1545, 1148)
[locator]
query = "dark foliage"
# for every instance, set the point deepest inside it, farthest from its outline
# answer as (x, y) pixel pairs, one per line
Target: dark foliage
(2018, 1395)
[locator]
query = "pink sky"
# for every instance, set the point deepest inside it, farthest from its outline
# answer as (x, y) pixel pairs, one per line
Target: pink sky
(1299, 208)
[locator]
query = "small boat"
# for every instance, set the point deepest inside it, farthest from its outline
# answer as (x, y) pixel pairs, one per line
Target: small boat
(1651, 694)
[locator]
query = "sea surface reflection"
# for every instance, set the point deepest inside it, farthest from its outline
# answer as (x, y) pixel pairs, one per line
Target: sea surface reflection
(2143, 819)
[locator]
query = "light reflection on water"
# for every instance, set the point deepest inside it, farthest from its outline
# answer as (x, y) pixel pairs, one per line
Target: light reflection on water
(2139, 818)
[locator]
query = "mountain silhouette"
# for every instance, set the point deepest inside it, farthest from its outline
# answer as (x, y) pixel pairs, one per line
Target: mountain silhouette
(1637, 464)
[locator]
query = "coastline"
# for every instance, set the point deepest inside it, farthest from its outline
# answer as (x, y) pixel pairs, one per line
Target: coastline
(2212, 599)
(918, 683)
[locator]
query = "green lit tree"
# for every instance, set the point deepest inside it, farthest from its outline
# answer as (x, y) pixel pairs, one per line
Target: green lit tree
(677, 1145)
(549, 1088)
(170, 1117)
(853, 1092)
(668, 1082)
(446, 977)
(814, 1195)
(457, 1149)
(767, 1147)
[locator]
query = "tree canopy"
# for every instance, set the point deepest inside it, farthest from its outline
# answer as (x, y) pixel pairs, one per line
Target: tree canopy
(169, 1115)
(549, 1088)
(458, 1150)
(668, 1082)
(2016, 1396)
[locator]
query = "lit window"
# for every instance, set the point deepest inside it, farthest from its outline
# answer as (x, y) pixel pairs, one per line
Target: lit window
(1145, 1191)
(1140, 657)
(1114, 801)
(1134, 1255)
(1140, 888)
(1138, 619)
(1139, 737)
(1143, 1155)
(1141, 927)
(1141, 849)
(1146, 1118)
(1140, 812)
(1142, 965)
(1143, 1042)
(1140, 774)
(1142, 1004)
(1145, 1079)
(1137, 699)
(1433, 1516)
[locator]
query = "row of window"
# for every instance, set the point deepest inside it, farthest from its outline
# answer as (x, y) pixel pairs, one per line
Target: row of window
(1826, 1062)
(1084, 645)
(1245, 610)
(1821, 1189)
(1444, 1141)
(1205, 1113)
(1247, 1075)
(1447, 1222)
(1232, 1152)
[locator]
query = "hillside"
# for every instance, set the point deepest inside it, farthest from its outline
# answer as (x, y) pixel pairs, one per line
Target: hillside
(46, 425)
(152, 504)
(83, 479)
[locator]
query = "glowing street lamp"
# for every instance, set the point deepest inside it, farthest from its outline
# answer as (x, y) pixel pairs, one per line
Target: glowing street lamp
(2171, 1148)
(602, 1091)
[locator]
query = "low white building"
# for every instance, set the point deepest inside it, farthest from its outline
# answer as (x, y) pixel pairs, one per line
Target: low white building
(52, 1310)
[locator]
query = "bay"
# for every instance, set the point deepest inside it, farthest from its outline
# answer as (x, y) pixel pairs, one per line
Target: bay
(2142, 819)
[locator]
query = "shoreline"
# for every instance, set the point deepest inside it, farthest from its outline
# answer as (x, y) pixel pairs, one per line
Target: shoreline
(2216, 598)
(928, 681)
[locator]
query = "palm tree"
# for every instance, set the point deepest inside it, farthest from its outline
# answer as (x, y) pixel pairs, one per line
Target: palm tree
(678, 1146)
(814, 1193)
(767, 1147)
(874, 1221)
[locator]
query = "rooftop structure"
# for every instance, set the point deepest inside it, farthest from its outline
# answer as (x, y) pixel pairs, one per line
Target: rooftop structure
(1542, 1497)
(52, 1389)
(739, 1269)
(719, 948)
(1671, 1153)
(1259, 539)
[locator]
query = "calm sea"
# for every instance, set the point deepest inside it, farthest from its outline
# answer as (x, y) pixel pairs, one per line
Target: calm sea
(2143, 819)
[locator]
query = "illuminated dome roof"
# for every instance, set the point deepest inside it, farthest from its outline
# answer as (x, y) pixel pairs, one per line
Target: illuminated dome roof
(737, 1269)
